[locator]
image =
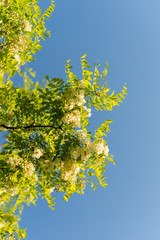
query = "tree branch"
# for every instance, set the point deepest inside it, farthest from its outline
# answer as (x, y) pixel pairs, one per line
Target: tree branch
(30, 126)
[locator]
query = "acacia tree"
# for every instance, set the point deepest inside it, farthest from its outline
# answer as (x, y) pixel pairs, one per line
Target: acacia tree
(48, 147)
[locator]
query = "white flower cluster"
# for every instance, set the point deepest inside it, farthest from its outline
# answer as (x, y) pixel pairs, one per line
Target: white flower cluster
(13, 191)
(52, 189)
(2, 224)
(106, 150)
(58, 164)
(99, 148)
(2, 190)
(2, 2)
(14, 161)
(20, 44)
(73, 118)
(28, 169)
(81, 134)
(38, 152)
(47, 164)
(28, 26)
(74, 97)
(87, 110)
(69, 170)
(80, 100)
(84, 152)
(70, 166)
(17, 57)
(75, 153)
(80, 84)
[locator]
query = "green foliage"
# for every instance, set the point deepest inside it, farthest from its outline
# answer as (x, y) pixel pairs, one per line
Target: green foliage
(22, 27)
(48, 147)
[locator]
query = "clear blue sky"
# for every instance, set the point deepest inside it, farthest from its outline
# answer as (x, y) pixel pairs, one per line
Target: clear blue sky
(127, 34)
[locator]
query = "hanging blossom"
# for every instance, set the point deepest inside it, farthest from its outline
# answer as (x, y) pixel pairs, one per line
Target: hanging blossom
(80, 100)
(28, 169)
(87, 110)
(51, 189)
(2, 2)
(57, 164)
(70, 170)
(86, 154)
(2, 224)
(80, 83)
(20, 44)
(81, 134)
(47, 164)
(38, 152)
(14, 161)
(86, 150)
(50, 164)
(17, 57)
(74, 97)
(2, 190)
(99, 148)
(27, 26)
(68, 98)
(13, 191)
(83, 152)
(73, 118)
(106, 150)
(76, 152)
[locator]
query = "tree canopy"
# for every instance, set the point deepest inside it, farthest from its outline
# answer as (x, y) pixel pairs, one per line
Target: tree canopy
(48, 146)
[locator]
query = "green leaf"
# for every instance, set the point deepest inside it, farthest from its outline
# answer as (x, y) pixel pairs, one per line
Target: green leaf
(39, 47)
(84, 56)
(47, 77)
(68, 61)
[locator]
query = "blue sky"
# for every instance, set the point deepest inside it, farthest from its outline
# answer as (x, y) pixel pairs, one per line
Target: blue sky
(126, 34)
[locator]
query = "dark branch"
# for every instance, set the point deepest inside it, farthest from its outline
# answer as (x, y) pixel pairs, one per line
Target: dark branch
(31, 126)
